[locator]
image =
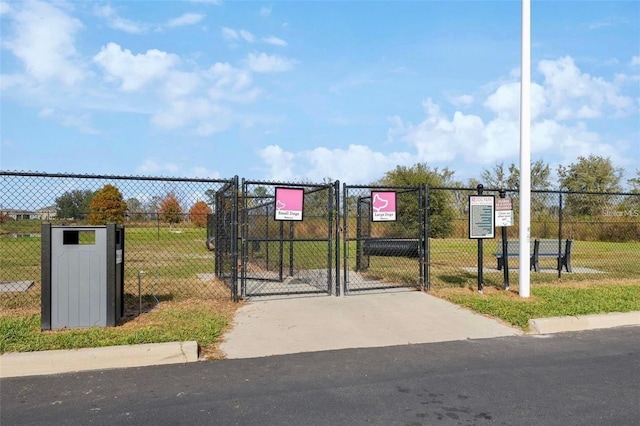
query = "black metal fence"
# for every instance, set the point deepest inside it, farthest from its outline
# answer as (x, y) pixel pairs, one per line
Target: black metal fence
(165, 220)
(604, 229)
(216, 238)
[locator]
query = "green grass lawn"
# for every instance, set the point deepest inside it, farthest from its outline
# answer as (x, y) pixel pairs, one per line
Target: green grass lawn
(199, 309)
(201, 320)
(548, 300)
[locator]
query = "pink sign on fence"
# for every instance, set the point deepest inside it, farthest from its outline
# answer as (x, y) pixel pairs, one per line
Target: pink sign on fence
(383, 206)
(289, 203)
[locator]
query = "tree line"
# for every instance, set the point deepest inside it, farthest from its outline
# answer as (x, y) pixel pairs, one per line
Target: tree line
(587, 174)
(108, 205)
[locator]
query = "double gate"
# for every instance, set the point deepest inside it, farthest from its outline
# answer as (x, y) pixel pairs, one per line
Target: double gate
(300, 239)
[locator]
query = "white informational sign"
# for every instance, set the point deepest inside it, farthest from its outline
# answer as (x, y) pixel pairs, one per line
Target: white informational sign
(504, 212)
(289, 203)
(504, 218)
(481, 216)
(383, 206)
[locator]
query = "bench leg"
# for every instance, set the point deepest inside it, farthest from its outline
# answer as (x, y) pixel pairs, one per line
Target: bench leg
(500, 262)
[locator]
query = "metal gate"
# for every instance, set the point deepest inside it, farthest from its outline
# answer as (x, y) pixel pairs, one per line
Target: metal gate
(289, 249)
(222, 235)
(384, 237)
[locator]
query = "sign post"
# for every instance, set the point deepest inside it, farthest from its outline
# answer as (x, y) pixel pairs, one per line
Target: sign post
(504, 218)
(481, 224)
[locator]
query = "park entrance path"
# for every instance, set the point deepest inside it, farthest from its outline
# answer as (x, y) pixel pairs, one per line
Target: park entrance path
(287, 325)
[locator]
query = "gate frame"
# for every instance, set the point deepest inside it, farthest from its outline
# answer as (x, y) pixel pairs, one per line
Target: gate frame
(423, 233)
(333, 235)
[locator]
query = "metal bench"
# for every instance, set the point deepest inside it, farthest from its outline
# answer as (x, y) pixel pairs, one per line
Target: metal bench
(550, 248)
(513, 250)
(390, 247)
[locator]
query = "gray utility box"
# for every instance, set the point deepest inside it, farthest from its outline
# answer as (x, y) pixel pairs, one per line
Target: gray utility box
(82, 276)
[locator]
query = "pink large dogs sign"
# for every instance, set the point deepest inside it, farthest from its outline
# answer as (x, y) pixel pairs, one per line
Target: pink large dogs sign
(383, 206)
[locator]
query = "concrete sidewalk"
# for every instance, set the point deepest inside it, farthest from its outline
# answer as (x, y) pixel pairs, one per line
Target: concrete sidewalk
(291, 325)
(278, 326)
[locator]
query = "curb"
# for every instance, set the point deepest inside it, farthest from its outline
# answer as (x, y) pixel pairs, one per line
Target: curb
(16, 364)
(584, 322)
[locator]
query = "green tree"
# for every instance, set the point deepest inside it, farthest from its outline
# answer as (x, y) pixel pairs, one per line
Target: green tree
(631, 204)
(106, 206)
(634, 183)
(73, 204)
(497, 177)
(441, 204)
(170, 209)
(589, 174)
(198, 214)
(135, 209)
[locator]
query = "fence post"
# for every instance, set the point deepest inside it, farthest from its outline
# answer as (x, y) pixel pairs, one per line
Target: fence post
(345, 235)
(505, 257)
(560, 235)
(425, 241)
(234, 237)
(480, 241)
(336, 201)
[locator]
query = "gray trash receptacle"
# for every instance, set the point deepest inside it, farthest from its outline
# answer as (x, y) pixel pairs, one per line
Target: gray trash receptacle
(82, 276)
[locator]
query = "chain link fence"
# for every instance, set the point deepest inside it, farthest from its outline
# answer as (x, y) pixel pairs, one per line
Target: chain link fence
(212, 239)
(166, 254)
(289, 238)
(604, 230)
(384, 237)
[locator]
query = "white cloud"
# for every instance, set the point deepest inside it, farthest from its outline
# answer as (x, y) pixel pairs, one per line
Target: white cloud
(320, 163)
(280, 163)
(598, 25)
(134, 70)
(117, 23)
(274, 41)
(232, 84)
(45, 46)
(635, 61)
(178, 84)
(230, 34)
(79, 121)
(8, 81)
(263, 63)
(568, 90)
(442, 139)
(246, 36)
(463, 101)
(153, 167)
(204, 173)
(185, 19)
(202, 115)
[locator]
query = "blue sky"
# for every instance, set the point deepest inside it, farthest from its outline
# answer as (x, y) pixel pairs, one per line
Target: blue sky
(309, 90)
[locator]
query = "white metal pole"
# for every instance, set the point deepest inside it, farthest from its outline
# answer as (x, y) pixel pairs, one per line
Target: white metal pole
(525, 151)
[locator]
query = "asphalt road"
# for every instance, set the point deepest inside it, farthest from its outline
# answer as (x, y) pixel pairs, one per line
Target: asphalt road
(578, 378)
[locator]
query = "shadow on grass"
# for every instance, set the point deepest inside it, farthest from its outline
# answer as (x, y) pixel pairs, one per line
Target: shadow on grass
(134, 306)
